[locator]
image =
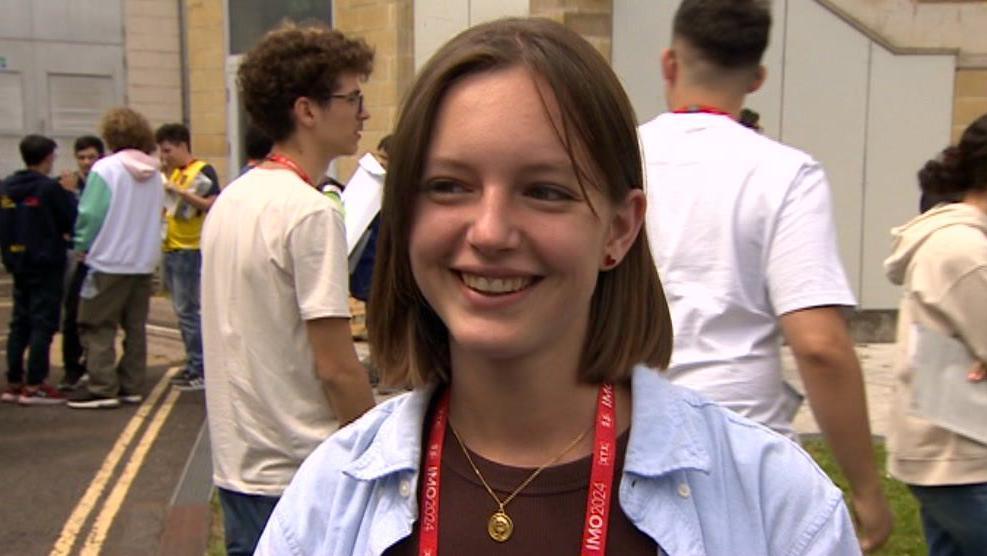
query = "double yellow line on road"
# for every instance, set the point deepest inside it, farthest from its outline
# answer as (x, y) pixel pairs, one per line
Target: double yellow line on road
(111, 506)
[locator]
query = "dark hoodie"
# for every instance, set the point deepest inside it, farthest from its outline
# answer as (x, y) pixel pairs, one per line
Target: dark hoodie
(36, 216)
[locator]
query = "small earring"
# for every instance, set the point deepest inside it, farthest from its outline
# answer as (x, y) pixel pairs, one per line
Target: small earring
(609, 261)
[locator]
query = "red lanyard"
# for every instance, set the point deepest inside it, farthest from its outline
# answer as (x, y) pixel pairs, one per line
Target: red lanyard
(429, 544)
(601, 478)
(702, 109)
(290, 164)
(600, 487)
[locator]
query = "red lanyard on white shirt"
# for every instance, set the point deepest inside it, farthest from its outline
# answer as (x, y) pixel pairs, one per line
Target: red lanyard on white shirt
(597, 520)
(702, 109)
(290, 164)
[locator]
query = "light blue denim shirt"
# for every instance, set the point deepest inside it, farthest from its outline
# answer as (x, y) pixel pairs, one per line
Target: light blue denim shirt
(697, 479)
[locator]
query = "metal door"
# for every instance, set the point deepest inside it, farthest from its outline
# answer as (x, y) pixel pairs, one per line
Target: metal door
(61, 67)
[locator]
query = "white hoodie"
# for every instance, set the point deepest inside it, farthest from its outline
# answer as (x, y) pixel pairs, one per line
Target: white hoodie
(119, 222)
(940, 258)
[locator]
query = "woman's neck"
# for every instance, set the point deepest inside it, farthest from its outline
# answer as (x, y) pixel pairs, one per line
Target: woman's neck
(524, 413)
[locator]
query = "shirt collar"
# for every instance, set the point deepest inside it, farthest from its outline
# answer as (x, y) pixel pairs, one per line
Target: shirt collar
(397, 445)
(664, 436)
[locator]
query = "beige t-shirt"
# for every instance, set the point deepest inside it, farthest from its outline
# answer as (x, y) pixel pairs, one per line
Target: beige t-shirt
(273, 256)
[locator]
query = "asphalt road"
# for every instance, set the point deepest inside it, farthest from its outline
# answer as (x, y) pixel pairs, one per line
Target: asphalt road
(95, 481)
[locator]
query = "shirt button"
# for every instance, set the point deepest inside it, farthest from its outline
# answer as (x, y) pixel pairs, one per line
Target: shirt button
(684, 490)
(405, 488)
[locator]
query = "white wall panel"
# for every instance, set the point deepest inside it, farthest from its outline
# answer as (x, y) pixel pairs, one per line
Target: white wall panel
(825, 111)
(77, 102)
(908, 122)
(641, 30)
(15, 23)
(488, 10)
(21, 67)
(768, 101)
(90, 21)
(11, 101)
(437, 21)
(19, 58)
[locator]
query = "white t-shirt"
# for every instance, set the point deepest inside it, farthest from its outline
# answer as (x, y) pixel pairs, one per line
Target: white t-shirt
(742, 232)
(274, 256)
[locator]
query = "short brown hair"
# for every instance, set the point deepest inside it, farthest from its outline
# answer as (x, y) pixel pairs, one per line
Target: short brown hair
(175, 134)
(125, 128)
(959, 169)
(629, 321)
(730, 34)
(296, 61)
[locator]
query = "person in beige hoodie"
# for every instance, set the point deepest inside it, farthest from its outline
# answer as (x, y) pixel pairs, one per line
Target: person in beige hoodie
(940, 257)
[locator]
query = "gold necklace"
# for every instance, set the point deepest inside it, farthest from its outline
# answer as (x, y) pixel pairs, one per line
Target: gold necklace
(500, 526)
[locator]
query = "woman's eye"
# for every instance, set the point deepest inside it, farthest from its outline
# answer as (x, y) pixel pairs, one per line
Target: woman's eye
(550, 193)
(443, 187)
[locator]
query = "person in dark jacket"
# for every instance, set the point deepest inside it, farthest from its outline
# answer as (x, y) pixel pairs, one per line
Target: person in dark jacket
(88, 149)
(36, 221)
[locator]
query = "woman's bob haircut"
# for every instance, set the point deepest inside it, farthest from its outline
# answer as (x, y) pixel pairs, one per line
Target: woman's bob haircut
(628, 317)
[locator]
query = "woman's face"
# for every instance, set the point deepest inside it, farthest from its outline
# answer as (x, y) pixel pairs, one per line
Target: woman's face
(504, 244)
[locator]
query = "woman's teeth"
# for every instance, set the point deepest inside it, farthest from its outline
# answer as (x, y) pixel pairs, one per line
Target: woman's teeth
(495, 285)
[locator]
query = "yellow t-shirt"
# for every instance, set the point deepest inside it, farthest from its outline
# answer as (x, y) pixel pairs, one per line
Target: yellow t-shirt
(184, 233)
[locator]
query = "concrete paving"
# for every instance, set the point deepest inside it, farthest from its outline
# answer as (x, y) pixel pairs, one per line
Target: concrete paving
(51, 458)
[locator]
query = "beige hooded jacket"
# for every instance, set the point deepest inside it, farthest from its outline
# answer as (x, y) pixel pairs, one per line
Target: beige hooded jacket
(940, 258)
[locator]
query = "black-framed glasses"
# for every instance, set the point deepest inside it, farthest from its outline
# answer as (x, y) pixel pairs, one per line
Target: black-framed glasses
(356, 97)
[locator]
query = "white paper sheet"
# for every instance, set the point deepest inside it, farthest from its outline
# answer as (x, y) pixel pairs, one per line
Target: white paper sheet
(362, 198)
(942, 393)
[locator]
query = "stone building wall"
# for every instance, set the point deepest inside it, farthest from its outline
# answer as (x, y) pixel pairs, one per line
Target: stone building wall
(593, 19)
(205, 36)
(388, 26)
(152, 54)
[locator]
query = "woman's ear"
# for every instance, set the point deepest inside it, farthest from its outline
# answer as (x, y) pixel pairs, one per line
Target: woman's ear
(625, 225)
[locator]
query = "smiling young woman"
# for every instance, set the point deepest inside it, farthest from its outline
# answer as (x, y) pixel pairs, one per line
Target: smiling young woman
(516, 292)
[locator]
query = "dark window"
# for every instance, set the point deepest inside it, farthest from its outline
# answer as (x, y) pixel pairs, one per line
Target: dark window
(250, 19)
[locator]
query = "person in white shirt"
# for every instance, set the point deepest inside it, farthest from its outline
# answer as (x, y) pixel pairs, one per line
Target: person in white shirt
(743, 237)
(283, 371)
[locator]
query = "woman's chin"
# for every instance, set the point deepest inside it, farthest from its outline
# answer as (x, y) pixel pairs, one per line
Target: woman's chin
(490, 345)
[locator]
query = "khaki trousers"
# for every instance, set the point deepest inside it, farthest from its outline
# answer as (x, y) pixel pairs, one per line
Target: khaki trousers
(110, 301)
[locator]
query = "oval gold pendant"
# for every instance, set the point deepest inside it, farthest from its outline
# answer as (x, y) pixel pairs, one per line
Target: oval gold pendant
(500, 526)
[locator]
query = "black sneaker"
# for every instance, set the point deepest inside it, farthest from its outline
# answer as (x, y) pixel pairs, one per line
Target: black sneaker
(182, 377)
(193, 384)
(130, 398)
(74, 381)
(87, 400)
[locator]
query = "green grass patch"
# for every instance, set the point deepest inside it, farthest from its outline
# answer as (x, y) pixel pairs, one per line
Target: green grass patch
(217, 539)
(906, 538)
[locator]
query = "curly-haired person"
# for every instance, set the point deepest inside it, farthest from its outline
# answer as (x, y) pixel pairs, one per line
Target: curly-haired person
(283, 371)
(940, 260)
(118, 236)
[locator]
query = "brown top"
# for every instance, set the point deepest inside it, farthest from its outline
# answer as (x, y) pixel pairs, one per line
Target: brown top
(548, 514)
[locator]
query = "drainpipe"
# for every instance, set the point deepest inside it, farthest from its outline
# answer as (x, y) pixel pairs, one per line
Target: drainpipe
(183, 56)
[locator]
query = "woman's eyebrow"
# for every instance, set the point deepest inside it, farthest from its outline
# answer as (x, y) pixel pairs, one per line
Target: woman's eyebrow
(446, 163)
(562, 165)
(547, 165)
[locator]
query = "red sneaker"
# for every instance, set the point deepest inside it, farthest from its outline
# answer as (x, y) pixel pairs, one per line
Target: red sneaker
(41, 394)
(11, 393)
